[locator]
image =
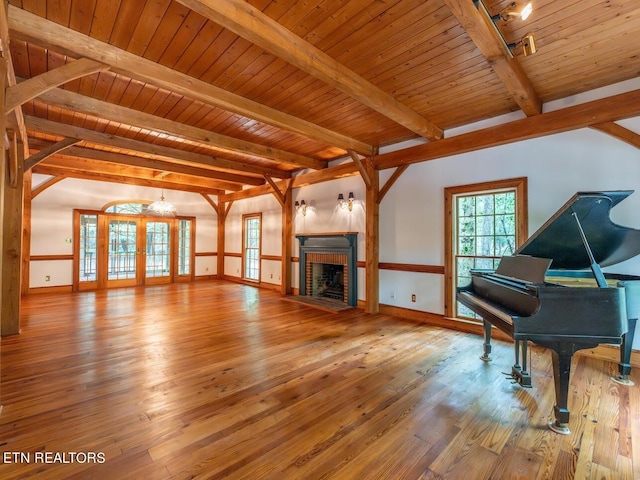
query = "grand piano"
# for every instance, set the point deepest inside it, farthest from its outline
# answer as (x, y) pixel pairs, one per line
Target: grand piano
(553, 292)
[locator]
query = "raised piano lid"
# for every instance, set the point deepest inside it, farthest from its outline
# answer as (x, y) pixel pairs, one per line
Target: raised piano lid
(559, 238)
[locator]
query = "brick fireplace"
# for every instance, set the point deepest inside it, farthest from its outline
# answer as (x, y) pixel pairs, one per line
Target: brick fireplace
(328, 266)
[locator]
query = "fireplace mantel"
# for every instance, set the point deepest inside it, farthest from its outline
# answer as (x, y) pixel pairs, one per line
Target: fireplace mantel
(331, 243)
(352, 237)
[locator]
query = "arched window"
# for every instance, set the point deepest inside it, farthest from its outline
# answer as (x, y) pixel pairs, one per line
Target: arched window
(128, 207)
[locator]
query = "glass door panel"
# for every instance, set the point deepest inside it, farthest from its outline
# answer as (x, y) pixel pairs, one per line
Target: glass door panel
(184, 247)
(87, 266)
(122, 252)
(116, 250)
(157, 252)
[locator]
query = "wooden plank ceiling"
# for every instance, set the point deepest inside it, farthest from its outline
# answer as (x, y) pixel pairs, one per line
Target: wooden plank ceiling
(213, 96)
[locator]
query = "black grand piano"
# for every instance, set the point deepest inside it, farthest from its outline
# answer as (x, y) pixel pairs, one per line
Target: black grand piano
(572, 307)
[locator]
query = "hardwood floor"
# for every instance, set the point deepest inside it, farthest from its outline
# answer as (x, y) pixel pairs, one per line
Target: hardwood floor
(220, 380)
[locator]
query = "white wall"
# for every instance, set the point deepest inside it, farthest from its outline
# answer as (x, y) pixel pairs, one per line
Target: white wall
(52, 222)
(325, 216)
(412, 213)
(271, 212)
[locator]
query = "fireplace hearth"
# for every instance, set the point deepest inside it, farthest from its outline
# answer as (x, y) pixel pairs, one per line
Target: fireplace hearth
(328, 266)
(327, 280)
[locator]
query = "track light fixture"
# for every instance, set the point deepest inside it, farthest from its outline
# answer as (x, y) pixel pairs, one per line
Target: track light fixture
(511, 12)
(514, 11)
(528, 43)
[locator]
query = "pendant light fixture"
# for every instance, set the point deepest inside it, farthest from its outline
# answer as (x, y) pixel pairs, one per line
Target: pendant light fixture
(162, 207)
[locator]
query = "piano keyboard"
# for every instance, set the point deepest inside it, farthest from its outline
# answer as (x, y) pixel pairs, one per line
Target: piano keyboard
(487, 306)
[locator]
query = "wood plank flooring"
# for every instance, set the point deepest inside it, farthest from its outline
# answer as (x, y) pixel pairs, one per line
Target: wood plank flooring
(225, 381)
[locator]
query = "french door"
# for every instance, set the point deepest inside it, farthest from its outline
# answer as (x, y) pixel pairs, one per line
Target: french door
(124, 250)
(156, 248)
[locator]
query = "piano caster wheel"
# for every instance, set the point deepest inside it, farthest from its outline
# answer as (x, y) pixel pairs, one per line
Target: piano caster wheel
(623, 380)
(560, 428)
(485, 358)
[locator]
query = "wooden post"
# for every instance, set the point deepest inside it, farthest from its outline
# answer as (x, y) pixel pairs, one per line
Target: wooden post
(287, 240)
(12, 240)
(26, 232)
(222, 216)
(3, 127)
(372, 240)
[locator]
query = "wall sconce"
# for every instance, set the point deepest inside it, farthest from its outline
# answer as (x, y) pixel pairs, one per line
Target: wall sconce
(346, 204)
(301, 207)
(511, 12)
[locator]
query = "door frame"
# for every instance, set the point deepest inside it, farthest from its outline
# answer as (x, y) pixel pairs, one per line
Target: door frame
(102, 251)
(144, 280)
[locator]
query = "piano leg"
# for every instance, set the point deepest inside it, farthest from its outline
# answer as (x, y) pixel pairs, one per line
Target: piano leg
(487, 342)
(624, 367)
(561, 372)
(519, 371)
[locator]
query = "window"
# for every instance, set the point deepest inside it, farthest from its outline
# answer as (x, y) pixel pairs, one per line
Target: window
(184, 247)
(128, 208)
(122, 249)
(122, 245)
(485, 222)
(158, 250)
(87, 251)
(251, 247)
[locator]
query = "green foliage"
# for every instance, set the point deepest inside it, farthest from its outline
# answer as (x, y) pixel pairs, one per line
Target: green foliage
(486, 231)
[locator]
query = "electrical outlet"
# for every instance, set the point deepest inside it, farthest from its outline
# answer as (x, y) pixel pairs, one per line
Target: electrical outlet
(271, 276)
(393, 294)
(413, 297)
(47, 278)
(206, 269)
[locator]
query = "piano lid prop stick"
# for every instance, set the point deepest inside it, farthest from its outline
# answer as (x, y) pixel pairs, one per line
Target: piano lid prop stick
(595, 268)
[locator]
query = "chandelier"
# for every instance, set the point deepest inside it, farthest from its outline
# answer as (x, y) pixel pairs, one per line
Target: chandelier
(162, 207)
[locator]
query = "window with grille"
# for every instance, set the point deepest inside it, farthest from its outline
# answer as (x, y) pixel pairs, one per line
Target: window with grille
(486, 231)
(87, 264)
(184, 247)
(485, 222)
(251, 247)
(158, 250)
(123, 249)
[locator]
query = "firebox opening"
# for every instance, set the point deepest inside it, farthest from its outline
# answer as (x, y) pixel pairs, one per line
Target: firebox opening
(328, 281)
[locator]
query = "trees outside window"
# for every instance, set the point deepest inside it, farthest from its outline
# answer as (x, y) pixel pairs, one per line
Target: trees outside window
(484, 223)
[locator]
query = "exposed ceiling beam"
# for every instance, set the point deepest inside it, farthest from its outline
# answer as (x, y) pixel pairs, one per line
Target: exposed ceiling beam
(608, 109)
(102, 171)
(250, 23)
(44, 185)
(361, 168)
(233, 181)
(15, 118)
(619, 132)
(339, 171)
(69, 131)
(391, 181)
(47, 151)
(128, 116)
(33, 28)
(210, 201)
(484, 34)
(29, 89)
